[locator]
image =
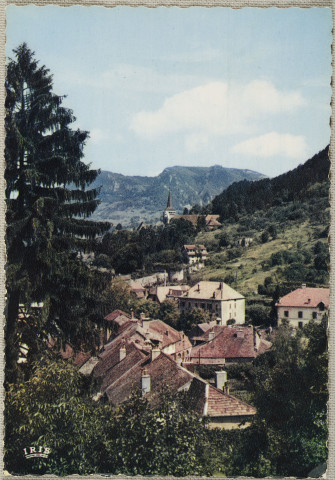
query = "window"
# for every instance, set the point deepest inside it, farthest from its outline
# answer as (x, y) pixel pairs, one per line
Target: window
(203, 306)
(196, 305)
(286, 313)
(315, 315)
(300, 324)
(300, 315)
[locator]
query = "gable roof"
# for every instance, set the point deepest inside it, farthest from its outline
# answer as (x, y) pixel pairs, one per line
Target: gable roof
(212, 291)
(223, 405)
(163, 371)
(115, 314)
(232, 342)
(305, 297)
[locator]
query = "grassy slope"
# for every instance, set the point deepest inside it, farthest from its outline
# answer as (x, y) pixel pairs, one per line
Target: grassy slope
(247, 268)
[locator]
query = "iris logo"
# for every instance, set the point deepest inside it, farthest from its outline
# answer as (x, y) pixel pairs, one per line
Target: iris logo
(33, 452)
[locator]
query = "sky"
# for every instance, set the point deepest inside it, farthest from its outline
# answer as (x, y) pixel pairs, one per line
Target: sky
(159, 87)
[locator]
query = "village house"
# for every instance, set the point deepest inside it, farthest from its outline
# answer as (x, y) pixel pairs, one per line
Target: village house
(219, 299)
(302, 305)
(221, 345)
(126, 366)
(121, 326)
(160, 294)
(195, 254)
(244, 242)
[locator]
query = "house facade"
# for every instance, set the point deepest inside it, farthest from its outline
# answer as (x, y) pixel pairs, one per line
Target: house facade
(303, 305)
(195, 254)
(219, 299)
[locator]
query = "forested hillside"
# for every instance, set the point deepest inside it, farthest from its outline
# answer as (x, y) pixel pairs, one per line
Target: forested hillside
(247, 197)
(286, 221)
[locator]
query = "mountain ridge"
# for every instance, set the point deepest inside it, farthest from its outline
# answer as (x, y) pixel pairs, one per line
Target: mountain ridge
(129, 199)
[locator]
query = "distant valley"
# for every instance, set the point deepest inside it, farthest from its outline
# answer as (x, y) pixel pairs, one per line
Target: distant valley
(131, 199)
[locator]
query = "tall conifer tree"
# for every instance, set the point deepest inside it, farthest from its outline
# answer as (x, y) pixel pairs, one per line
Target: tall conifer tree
(48, 202)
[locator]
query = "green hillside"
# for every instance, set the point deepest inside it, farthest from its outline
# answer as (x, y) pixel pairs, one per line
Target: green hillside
(289, 238)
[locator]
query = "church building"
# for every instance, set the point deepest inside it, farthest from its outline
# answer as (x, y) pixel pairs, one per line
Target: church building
(169, 212)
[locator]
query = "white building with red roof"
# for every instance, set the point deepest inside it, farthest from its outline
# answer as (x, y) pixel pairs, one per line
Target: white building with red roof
(302, 305)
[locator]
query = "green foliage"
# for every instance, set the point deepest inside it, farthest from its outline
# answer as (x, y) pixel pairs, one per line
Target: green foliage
(53, 409)
(166, 440)
(47, 205)
(191, 319)
(289, 434)
(246, 197)
(258, 315)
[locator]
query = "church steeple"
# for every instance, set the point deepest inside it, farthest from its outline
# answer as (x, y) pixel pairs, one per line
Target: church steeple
(169, 202)
(169, 212)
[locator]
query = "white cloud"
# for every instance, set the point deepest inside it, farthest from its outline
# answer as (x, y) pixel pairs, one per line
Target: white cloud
(196, 142)
(216, 108)
(272, 144)
(98, 136)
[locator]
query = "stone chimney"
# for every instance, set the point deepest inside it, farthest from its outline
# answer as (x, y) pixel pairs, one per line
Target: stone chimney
(132, 314)
(221, 379)
(155, 353)
(211, 335)
(303, 285)
(122, 352)
(140, 321)
(145, 382)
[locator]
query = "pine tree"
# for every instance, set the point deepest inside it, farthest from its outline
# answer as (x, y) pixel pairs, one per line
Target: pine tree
(48, 202)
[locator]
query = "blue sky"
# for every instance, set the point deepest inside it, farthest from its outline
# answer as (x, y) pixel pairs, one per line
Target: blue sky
(158, 87)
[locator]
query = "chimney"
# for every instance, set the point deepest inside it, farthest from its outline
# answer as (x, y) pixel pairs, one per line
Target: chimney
(145, 382)
(132, 314)
(221, 285)
(226, 389)
(211, 335)
(122, 353)
(303, 285)
(221, 379)
(198, 287)
(155, 352)
(146, 323)
(140, 321)
(218, 321)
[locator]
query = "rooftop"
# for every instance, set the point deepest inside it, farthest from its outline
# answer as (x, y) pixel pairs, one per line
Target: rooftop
(212, 291)
(232, 342)
(305, 297)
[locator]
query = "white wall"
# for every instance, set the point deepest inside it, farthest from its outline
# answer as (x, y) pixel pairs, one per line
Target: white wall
(293, 317)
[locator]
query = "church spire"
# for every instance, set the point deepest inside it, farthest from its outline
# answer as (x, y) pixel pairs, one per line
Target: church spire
(169, 202)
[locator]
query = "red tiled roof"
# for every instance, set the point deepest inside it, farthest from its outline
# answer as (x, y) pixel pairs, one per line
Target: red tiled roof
(232, 342)
(169, 334)
(193, 247)
(305, 297)
(81, 358)
(133, 357)
(115, 314)
(222, 405)
(163, 371)
(111, 356)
